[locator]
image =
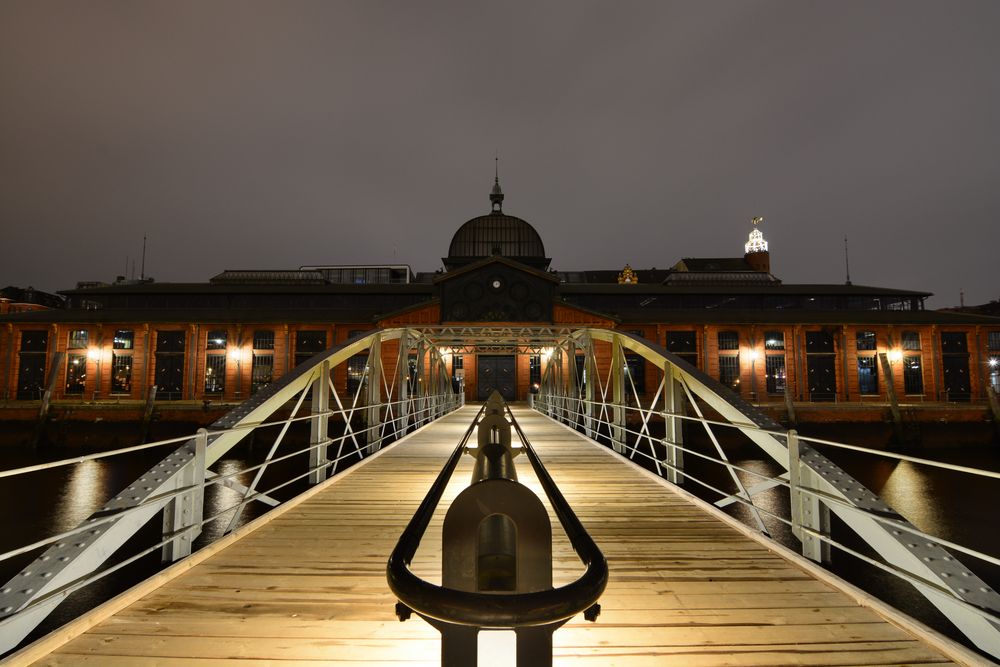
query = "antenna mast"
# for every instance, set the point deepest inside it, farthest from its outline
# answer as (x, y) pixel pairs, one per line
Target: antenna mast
(142, 274)
(847, 262)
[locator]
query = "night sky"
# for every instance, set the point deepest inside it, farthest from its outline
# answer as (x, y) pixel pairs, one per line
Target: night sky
(244, 135)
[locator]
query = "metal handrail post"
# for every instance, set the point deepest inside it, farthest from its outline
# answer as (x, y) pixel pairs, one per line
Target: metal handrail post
(319, 425)
(807, 510)
(182, 515)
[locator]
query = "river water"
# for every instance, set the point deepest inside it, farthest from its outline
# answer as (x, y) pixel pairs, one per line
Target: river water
(950, 505)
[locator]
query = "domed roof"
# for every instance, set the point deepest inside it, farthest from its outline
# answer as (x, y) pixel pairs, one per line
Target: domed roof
(496, 234)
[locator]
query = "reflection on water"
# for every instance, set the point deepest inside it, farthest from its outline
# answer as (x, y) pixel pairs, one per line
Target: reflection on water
(85, 492)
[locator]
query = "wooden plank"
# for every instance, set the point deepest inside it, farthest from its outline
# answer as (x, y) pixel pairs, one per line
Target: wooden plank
(309, 586)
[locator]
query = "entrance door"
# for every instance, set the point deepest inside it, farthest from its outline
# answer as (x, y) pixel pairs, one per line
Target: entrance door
(495, 372)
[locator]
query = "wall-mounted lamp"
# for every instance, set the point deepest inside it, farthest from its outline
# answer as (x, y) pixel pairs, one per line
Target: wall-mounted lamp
(93, 353)
(895, 355)
(753, 354)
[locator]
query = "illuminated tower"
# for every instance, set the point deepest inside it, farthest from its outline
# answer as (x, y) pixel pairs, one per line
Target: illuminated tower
(756, 253)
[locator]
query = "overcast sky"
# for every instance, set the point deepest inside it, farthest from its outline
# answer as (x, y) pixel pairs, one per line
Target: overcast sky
(243, 135)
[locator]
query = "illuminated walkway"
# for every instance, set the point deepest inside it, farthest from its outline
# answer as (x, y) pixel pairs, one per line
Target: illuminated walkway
(308, 586)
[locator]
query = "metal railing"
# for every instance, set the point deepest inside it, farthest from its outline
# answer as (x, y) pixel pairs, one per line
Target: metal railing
(603, 403)
(391, 399)
(534, 609)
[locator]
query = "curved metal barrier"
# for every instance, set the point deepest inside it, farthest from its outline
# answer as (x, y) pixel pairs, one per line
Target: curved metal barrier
(391, 399)
(459, 613)
(603, 402)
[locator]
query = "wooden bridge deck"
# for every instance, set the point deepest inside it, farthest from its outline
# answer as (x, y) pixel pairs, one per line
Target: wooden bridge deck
(308, 587)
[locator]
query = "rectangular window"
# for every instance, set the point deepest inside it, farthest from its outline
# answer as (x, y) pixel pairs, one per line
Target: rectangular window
(31, 367)
(535, 370)
(774, 340)
(457, 368)
(215, 374)
(356, 373)
(867, 375)
(216, 340)
(76, 373)
(774, 373)
(955, 365)
(993, 367)
(729, 371)
(993, 340)
(729, 340)
(169, 365)
(121, 372)
(635, 368)
(684, 344)
(124, 339)
(913, 375)
(78, 339)
(308, 344)
(262, 371)
(866, 340)
(911, 340)
(263, 340)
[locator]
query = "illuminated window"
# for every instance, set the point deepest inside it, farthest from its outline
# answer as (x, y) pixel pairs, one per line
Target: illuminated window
(535, 369)
(262, 371)
(124, 339)
(78, 339)
(216, 340)
(729, 370)
(76, 373)
(121, 373)
(911, 340)
(356, 373)
(774, 340)
(866, 340)
(867, 375)
(215, 374)
(774, 369)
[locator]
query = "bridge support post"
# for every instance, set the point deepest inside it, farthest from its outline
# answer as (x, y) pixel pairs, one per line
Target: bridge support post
(419, 390)
(673, 436)
(618, 396)
(403, 384)
(373, 396)
(183, 514)
(319, 425)
(809, 514)
(589, 376)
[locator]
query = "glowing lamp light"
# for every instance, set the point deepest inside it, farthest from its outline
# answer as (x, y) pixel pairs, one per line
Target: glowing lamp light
(235, 353)
(753, 354)
(94, 353)
(547, 352)
(895, 355)
(994, 362)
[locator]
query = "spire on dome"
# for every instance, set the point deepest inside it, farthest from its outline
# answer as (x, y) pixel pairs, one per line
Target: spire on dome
(756, 242)
(496, 195)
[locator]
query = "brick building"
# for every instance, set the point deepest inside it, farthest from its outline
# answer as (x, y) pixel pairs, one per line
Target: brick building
(224, 339)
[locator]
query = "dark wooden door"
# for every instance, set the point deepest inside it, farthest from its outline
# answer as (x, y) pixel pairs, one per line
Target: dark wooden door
(495, 372)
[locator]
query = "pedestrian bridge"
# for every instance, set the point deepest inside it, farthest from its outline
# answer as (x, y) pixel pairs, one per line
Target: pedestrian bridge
(305, 583)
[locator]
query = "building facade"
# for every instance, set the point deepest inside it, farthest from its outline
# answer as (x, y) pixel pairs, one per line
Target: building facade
(223, 340)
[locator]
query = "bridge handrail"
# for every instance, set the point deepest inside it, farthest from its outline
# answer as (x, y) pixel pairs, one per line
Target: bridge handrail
(826, 497)
(816, 485)
(178, 483)
(494, 610)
